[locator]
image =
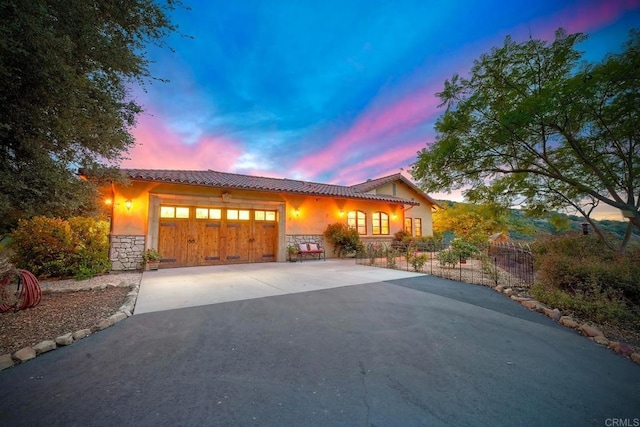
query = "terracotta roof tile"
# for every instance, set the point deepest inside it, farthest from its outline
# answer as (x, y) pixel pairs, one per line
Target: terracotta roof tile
(375, 183)
(217, 179)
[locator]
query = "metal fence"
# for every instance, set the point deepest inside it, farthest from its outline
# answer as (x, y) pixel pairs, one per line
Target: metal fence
(506, 264)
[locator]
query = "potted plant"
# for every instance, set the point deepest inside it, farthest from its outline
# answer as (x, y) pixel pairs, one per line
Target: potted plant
(151, 259)
(293, 251)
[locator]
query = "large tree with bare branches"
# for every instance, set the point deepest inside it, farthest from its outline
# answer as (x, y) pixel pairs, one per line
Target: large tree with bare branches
(535, 125)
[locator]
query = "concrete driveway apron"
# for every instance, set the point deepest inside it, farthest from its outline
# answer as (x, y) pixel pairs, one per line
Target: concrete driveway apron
(173, 288)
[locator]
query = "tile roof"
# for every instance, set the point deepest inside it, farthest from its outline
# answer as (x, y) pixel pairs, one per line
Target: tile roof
(210, 178)
(375, 183)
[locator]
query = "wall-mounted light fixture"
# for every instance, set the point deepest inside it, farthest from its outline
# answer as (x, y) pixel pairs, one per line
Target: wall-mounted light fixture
(108, 201)
(128, 204)
(296, 212)
(341, 213)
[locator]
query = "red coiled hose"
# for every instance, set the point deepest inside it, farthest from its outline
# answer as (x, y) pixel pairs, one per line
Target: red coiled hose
(28, 293)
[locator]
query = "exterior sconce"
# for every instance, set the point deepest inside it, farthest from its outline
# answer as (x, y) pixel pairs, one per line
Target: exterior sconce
(108, 201)
(128, 204)
(296, 212)
(341, 213)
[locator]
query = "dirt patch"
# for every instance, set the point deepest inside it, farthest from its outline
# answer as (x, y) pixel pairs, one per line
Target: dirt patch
(56, 315)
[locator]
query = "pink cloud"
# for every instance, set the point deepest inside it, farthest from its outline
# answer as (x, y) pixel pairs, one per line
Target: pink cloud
(372, 126)
(159, 147)
(385, 163)
(580, 19)
(383, 123)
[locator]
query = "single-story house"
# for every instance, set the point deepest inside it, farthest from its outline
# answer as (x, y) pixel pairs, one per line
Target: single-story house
(207, 217)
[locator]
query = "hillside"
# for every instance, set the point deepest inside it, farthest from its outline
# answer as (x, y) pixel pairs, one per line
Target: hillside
(555, 223)
(570, 222)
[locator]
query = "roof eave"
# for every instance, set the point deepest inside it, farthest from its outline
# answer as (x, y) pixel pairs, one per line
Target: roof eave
(361, 196)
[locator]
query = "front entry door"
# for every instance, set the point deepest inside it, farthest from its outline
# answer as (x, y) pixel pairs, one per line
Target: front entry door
(190, 236)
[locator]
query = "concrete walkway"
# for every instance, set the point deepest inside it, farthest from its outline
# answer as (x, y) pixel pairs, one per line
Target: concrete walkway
(195, 286)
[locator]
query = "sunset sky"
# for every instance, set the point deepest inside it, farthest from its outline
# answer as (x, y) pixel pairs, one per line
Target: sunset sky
(331, 91)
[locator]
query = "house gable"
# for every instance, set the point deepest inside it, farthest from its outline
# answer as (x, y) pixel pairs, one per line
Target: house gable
(417, 217)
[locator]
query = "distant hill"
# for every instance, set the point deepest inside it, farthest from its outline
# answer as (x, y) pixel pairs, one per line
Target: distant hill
(545, 226)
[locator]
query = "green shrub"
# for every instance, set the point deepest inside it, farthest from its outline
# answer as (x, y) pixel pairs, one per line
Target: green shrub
(579, 274)
(463, 249)
(427, 244)
(401, 236)
(53, 247)
(417, 260)
(92, 246)
(595, 304)
(575, 263)
(448, 258)
(345, 240)
(391, 258)
(459, 249)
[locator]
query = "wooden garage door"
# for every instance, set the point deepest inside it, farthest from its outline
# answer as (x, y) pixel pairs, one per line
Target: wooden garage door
(190, 236)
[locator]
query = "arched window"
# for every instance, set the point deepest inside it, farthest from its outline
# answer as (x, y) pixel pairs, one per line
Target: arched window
(380, 223)
(358, 221)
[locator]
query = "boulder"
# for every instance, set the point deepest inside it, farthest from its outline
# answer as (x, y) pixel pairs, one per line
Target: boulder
(5, 362)
(568, 322)
(44, 346)
(117, 317)
(65, 339)
(554, 314)
(600, 339)
(24, 354)
(531, 304)
(635, 357)
(621, 348)
(78, 335)
(102, 324)
(590, 331)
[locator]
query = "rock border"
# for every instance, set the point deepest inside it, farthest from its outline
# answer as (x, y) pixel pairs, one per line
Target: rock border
(588, 330)
(27, 353)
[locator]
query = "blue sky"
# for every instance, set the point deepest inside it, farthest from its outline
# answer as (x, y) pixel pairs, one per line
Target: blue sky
(331, 91)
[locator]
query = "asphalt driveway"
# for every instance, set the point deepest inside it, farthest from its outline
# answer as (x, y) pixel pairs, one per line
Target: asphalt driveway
(411, 351)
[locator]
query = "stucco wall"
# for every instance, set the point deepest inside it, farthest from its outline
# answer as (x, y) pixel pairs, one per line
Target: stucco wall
(423, 211)
(297, 214)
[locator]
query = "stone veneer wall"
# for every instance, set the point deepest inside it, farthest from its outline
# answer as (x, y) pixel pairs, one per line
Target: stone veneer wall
(294, 239)
(126, 252)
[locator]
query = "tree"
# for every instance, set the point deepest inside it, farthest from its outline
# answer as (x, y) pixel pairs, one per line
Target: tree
(533, 125)
(475, 223)
(66, 69)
